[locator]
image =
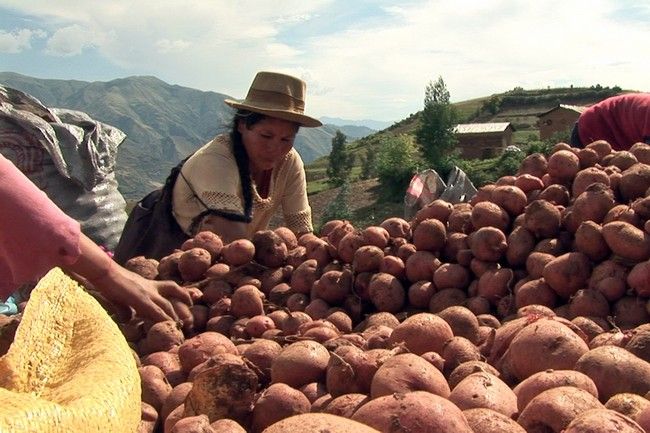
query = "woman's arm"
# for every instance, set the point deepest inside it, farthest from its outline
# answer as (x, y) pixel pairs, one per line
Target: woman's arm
(123, 287)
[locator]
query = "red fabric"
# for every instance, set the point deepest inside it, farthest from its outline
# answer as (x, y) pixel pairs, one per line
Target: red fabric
(35, 235)
(621, 120)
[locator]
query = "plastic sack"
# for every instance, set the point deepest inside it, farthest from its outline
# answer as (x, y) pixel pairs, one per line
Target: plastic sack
(69, 368)
(427, 186)
(69, 156)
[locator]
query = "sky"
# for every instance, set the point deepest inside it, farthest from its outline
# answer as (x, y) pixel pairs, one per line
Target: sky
(361, 59)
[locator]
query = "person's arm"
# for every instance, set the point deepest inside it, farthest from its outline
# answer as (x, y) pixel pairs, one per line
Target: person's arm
(36, 235)
(123, 287)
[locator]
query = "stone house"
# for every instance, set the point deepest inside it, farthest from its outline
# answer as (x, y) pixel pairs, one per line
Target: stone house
(558, 119)
(483, 140)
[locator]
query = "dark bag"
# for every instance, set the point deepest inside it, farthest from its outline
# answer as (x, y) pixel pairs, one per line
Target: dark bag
(151, 229)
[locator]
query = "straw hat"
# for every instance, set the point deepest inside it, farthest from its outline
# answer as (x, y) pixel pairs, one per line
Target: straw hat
(277, 95)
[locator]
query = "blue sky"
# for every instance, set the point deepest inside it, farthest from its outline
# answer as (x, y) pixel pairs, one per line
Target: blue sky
(361, 59)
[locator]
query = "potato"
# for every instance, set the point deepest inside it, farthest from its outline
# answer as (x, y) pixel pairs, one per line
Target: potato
(488, 214)
(541, 381)
(397, 227)
(148, 418)
(238, 252)
(635, 180)
(346, 405)
(563, 165)
(521, 243)
(494, 285)
(147, 268)
(430, 235)
(586, 177)
(542, 345)
(489, 421)
(534, 164)
(627, 241)
(590, 241)
(175, 398)
(462, 321)
(226, 425)
(193, 424)
(628, 404)
(405, 373)
(615, 370)
(447, 298)
(554, 409)
(488, 244)
(420, 266)
(484, 390)
(367, 258)
(467, 368)
(542, 218)
(458, 350)
(318, 423)
(423, 332)
(535, 292)
(603, 421)
(277, 402)
(199, 348)
(451, 275)
(155, 388)
(567, 273)
(300, 363)
(246, 301)
(168, 363)
(415, 412)
(386, 292)
(163, 336)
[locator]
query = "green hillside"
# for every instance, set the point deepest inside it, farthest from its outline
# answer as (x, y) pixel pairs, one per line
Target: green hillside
(518, 106)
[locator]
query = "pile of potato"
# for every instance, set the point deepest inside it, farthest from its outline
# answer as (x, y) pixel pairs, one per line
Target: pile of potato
(524, 310)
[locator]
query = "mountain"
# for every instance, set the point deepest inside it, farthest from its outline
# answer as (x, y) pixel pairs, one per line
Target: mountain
(370, 124)
(163, 122)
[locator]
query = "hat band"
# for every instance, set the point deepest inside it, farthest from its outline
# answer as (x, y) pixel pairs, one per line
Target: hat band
(274, 101)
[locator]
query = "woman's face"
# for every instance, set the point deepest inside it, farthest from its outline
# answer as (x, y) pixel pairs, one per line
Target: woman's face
(268, 141)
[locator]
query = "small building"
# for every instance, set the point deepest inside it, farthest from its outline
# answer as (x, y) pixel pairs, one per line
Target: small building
(558, 119)
(483, 140)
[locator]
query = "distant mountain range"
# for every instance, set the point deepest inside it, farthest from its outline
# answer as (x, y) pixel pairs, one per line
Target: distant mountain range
(163, 122)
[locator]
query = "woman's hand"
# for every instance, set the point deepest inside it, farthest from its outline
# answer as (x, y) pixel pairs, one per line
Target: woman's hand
(147, 297)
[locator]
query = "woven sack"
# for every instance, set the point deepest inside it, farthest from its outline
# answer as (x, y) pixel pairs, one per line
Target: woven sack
(69, 368)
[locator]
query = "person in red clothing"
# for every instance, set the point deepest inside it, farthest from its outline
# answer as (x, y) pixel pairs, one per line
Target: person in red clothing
(621, 120)
(36, 236)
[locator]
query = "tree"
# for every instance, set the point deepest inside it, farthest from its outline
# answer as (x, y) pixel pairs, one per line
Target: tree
(397, 162)
(338, 208)
(340, 161)
(368, 162)
(435, 134)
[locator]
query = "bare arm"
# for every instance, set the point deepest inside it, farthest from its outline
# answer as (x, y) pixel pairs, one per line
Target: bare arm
(123, 287)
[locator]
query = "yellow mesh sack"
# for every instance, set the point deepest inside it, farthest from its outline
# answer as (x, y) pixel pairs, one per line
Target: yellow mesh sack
(69, 368)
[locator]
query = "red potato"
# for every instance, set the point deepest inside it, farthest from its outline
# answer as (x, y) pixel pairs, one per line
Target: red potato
(489, 421)
(300, 363)
(534, 164)
(460, 220)
(155, 388)
(333, 286)
(495, 284)
(349, 244)
(555, 194)
(593, 204)
(406, 373)
(277, 402)
(397, 227)
(451, 275)
(430, 235)
(529, 183)
(563, 165)
(536, 262)
(168, 363)
(628, 404)
(438, 209)
(467, 368)
(175, 399)
(198, 349)
(587, 302)
(542, 345)
(164, 336)
(393, 265)
(423, 332)
(510, 198)
(376, 235)
(590, 241)
(319, 422)
(488, 244)
(603, 421)
(615, 370)
(367, 258)
(568, 273)
(147, 268)
(521, 243)
(554, 409)
(238, 252)
(462, 321)
(542, 218)
(623, 212)
(447, 298)
(535, 292)
(270, 248)
(386, 292)
(485, 390)
(586, 177)
(627, 241)
(346, 405)
(537, 383)
(420, 266)
(304, 276)
(246, 301)
(193, 264)
(488, 214)
(416, 412)
(634, 182)
(458, 350)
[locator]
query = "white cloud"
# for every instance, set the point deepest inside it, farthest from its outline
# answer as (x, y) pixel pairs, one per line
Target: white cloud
(72, 40)
(18, 40)
(165, 46)
(356, 68)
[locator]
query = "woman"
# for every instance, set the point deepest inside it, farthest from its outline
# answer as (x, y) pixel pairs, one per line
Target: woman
(35, 236)
(235, 183)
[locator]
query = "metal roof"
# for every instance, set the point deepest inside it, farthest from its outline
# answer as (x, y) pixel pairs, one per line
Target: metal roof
(479, 128)
(576, 108)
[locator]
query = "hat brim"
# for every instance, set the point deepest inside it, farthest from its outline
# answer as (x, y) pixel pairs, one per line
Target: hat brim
(301, 119)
